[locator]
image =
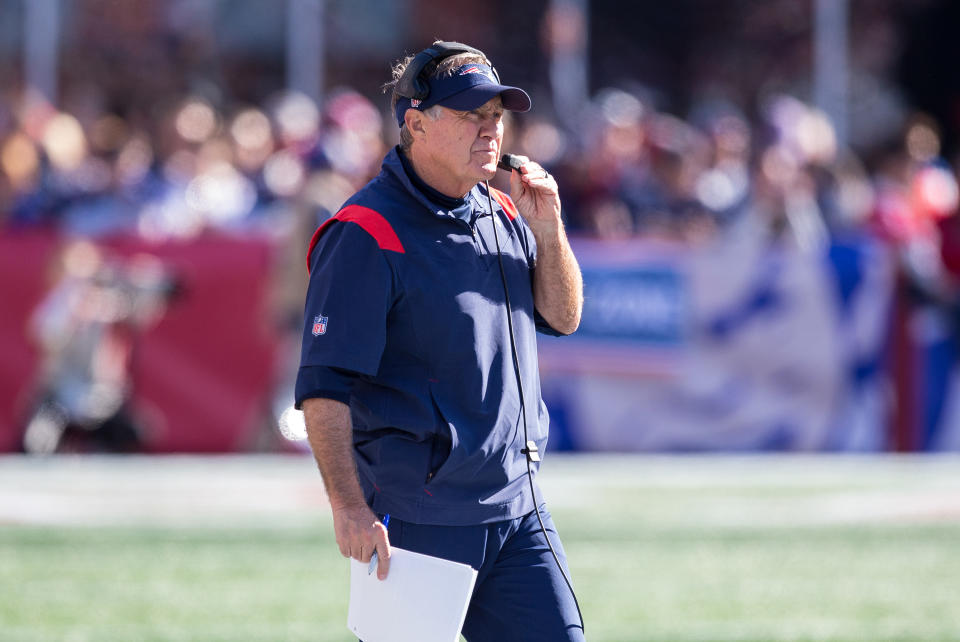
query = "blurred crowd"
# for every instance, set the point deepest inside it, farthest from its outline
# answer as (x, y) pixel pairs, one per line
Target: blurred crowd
(200, 166)
(629, 170)
(164, 129)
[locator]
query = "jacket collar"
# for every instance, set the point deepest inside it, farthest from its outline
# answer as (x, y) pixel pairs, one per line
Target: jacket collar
(393, 168)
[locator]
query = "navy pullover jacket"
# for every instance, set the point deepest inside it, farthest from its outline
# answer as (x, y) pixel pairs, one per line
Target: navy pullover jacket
(406, 297)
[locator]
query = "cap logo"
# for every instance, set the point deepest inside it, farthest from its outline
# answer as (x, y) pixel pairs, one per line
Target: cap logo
(471, 70)
(415, 103)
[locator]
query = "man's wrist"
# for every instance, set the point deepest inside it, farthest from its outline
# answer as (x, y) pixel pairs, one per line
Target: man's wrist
(340, 505)
(547, 233)
(345, 496)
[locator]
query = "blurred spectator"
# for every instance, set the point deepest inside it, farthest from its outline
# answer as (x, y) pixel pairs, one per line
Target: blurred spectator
(87, 329)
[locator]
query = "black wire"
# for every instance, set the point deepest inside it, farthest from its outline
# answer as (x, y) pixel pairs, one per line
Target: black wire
(523, 407)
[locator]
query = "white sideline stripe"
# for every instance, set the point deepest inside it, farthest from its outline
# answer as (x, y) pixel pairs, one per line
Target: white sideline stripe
(285, 490)
(95, 490)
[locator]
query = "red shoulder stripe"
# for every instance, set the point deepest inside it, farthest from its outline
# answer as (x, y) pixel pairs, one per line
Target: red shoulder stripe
(505, 202)
(316, 238)
(372, 223)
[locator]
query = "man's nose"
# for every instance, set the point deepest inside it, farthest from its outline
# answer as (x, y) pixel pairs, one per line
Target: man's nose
(489, 126)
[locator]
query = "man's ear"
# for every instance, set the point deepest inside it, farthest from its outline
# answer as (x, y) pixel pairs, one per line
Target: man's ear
(414, 120)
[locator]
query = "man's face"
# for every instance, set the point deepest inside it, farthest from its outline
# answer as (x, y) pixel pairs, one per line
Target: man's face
(465, 145)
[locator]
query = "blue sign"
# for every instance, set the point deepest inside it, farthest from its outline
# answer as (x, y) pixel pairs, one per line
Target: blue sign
(644, 305)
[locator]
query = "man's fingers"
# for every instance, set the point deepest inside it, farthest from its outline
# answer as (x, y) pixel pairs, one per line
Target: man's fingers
(382, 543)
(531, 169)
(383, 560)
(540, 181)
(535, 176)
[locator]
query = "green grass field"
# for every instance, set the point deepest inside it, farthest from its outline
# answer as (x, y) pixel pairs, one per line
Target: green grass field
(747, 549)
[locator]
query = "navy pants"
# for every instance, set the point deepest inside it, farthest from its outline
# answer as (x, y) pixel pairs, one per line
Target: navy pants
(520, 594)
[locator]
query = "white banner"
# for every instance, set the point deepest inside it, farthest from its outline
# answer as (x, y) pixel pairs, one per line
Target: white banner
(729, 347)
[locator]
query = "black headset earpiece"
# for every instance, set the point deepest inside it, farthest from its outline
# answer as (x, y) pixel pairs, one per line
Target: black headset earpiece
(414, 83)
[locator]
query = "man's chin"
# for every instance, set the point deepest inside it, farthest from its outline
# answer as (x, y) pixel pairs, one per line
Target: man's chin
(488, 170)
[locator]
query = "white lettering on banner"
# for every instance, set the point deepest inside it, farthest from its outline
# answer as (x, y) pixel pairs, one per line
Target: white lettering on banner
(638, 305)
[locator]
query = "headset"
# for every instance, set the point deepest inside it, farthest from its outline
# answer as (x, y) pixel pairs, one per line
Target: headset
(510, 162)
(414, 83)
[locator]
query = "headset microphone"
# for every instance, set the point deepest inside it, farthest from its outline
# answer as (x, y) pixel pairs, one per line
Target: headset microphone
(510, 162)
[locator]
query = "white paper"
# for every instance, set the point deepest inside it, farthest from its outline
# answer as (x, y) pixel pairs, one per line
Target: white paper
(423, 599)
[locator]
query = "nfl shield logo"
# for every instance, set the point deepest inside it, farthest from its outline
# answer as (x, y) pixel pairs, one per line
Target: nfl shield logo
(319, 325)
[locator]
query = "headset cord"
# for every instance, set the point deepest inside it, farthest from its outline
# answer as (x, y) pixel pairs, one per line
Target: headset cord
(530, 448)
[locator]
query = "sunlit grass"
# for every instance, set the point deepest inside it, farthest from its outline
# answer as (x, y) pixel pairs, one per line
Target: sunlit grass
(654, 557)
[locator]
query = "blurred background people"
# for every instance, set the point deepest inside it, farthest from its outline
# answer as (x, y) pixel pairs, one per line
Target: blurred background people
(87, 328)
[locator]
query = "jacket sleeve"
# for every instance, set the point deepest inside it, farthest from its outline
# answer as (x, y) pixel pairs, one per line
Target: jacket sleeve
(321, 381)
(350, 293)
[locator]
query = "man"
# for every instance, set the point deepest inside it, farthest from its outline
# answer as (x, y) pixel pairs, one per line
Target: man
(408, 383)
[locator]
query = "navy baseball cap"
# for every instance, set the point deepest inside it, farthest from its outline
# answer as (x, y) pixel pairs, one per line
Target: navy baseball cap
(470, 86)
